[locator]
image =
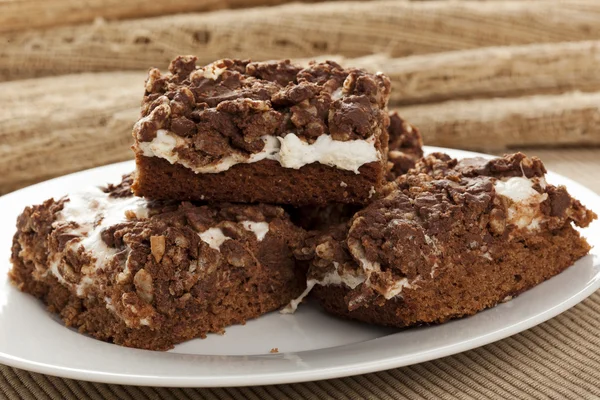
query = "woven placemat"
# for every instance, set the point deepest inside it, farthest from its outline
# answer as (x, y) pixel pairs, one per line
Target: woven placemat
(559, 359)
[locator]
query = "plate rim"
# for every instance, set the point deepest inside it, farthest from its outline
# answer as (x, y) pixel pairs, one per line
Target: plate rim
(298, 375)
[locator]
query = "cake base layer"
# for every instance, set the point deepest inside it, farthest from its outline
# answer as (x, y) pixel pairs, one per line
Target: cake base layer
(465, 288)
(244, 301)
(261, 182)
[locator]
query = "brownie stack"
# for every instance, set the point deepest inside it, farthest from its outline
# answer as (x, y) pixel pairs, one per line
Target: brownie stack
(207, 244)
(257, 182)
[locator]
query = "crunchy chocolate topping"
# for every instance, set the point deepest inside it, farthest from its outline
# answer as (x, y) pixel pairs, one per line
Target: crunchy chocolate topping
(122, 189)
(226, 106)
(405, 146)
(517, 164)
(282, 72)
(403, 136)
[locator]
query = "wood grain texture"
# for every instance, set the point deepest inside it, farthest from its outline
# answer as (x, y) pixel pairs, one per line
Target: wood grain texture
(568, 119)
(19, 15)
(350, 29)
(53, 126)
(508, 71)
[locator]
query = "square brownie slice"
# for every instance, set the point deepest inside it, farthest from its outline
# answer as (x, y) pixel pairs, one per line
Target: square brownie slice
(153, 274)
(269, 132)
(450, 238)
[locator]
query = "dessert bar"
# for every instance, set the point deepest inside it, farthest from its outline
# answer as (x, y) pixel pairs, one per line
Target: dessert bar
(449, 239)
(269, 132)
(150, 275)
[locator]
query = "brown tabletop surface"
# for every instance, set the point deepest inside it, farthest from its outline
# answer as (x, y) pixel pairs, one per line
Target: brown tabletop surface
(557, 359)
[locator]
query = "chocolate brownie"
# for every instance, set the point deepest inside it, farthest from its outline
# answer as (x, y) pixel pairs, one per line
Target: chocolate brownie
(153, 274)
(270, 132)
(450, 239)
(405, 149)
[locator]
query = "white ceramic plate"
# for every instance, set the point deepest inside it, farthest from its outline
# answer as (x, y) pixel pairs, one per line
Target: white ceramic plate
(311, 345)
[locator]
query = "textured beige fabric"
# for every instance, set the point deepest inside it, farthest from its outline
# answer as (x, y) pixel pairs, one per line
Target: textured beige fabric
(559, 359)
(350, 29)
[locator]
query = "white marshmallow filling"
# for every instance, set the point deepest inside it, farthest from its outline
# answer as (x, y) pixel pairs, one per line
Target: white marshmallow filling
(524, 209)
(289, 151)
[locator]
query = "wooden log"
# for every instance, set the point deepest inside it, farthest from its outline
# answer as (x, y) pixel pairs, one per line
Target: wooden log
(19, 15)
(509, 71)
(53, 126)
(570, 119)
(350, 29)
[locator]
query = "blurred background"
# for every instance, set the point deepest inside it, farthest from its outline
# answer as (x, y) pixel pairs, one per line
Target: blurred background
(494, 76)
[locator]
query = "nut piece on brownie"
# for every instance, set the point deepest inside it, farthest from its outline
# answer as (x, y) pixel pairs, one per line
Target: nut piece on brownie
(270, 132)
(452, 238)
(151, 275)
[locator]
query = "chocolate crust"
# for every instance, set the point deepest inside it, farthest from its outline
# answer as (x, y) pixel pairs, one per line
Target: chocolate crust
(235, 102)
(264, 181)
(464, 289)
